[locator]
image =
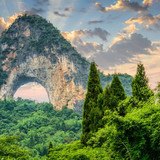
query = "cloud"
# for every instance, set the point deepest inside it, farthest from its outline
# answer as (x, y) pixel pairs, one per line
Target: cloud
(39, 7)
(34, 11)
(124, 51)
(147, 2)
(146, 19)
(125, 5)
(69, 9)
(86, 49)
(125, 33)
(131, 28)
(5, 24)
(60, 14)
(42, 2)
(95, 22)
(97, 32)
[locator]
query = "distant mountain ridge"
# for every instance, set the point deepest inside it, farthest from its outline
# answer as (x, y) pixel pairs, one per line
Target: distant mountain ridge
(32, 49)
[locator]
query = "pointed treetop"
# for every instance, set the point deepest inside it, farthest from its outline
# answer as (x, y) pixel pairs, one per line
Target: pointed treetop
(116, 88)
(140, 87)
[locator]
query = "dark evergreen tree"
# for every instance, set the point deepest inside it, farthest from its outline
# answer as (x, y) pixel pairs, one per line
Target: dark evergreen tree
(117, 89)
(90, 115)
(113, 94)
(107, 98)
(140, 87)
(50, 148)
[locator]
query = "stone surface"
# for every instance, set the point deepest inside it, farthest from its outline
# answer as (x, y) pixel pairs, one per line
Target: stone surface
(63, 73)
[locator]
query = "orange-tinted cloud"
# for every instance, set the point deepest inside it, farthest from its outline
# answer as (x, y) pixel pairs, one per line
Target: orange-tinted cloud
(125, 5)
(97, 32)
(126, 33)
(131, 28)
(86, 49)
(5, 24)
(146, 19)
(147, 2)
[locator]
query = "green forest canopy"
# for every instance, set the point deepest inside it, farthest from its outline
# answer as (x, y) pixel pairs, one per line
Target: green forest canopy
(128, 130)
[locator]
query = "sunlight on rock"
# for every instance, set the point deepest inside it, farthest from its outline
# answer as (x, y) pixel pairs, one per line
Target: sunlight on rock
(33, 91)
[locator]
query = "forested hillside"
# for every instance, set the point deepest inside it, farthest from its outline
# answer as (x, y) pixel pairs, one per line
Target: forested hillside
(35, 125)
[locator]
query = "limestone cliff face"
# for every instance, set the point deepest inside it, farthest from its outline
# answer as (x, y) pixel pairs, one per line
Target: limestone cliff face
(33, 50)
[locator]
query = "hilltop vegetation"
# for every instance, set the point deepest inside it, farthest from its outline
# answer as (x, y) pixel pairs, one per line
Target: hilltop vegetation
(38, 124)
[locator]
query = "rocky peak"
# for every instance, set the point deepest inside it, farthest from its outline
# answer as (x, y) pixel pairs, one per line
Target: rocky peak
(33, 50)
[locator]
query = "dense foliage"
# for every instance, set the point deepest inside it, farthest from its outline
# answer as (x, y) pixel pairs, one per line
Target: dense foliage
(131, 135)
(10, 150)
(38, 124)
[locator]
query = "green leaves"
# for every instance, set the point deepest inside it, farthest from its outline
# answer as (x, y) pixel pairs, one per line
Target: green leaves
(38, 124)
(140, 88)
(10, 150)
(117, 89)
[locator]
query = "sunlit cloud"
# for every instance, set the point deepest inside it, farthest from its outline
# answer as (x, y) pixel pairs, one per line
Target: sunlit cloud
(147, 2)
(146, 19)
(5, 24)
(125, 33)
(86, 49)
(126, 5)
(131, 28)
(97, 32)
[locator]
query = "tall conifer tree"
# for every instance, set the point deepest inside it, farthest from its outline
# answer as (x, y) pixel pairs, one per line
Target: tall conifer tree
(117, 89)
(140, 87)
(114, 94)
(90, 115)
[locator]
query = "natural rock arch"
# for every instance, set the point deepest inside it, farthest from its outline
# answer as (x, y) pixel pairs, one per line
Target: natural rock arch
(33, 50)
(50, 75)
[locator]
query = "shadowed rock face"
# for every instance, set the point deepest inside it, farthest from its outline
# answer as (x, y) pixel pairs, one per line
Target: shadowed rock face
(32, 50)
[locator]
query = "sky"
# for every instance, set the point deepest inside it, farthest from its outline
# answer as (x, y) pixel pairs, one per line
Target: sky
(116, 34)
